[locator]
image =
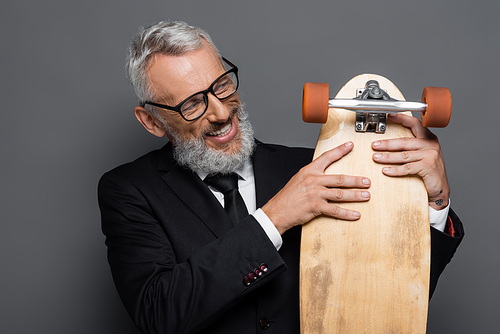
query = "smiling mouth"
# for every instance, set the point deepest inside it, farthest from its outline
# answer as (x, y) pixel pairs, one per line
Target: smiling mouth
(222, 131)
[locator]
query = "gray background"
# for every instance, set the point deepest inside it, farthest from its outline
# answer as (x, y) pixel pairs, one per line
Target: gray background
(67, 118)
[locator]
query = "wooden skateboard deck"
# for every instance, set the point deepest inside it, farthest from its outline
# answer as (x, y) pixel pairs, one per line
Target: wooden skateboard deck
(371, 275)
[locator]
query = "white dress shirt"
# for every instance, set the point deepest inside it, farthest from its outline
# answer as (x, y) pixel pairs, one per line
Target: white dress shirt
(246, 185)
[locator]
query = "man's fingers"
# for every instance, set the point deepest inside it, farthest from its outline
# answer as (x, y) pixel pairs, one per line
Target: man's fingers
(413, 123)
(405, 162)
(396, 144)
(408, 169)
(415, 156)
(405, 144)
(344, 214)
(330, 156)
(311, 193)
(335, 211)
(345, 181)
(401, 157)
(345, 195)
(333, 181)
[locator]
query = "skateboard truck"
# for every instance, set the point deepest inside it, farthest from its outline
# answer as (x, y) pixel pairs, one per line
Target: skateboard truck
(372, 105)
(371, 121)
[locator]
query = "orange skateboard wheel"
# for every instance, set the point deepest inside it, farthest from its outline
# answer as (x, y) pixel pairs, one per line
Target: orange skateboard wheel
(315, 102)
(438, 110)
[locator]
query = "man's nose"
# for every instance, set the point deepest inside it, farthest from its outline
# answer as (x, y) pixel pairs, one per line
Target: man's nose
(217, 112)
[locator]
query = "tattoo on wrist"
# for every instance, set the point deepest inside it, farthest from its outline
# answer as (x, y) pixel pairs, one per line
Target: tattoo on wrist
(439, 202)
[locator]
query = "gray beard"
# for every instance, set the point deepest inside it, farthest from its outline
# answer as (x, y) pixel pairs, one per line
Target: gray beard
(197, 156)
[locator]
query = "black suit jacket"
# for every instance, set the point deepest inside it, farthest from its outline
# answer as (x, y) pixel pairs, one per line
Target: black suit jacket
(178, 263)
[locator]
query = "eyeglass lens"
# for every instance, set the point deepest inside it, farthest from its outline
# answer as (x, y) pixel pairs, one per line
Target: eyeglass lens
(224, 87)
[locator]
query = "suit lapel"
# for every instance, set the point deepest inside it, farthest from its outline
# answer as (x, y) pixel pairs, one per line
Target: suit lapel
(270, 174)
(194, 193)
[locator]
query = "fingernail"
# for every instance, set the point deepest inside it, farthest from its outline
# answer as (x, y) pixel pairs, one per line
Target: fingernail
(376, 143)
(365, 194)
(356, 214)
(348, 144)
(377, 155)
(386, 169)
(366, 181)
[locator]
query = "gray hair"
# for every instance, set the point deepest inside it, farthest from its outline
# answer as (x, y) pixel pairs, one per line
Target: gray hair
(166, 38)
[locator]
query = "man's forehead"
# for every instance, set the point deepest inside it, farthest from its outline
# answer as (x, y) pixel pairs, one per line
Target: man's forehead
(171, 76)
(204, 57)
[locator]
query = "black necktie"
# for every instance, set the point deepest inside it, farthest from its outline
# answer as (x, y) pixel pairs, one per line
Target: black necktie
(233, 202)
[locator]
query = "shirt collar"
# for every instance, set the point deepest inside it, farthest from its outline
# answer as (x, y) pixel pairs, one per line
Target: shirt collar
(244, 172)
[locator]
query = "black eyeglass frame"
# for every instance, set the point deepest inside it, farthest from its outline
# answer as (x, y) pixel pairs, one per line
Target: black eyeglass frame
(177, 108)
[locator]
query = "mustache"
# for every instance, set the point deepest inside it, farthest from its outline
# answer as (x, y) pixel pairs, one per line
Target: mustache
(212, 127)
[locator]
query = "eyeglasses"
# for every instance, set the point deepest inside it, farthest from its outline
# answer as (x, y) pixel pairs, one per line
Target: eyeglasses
(195, 105)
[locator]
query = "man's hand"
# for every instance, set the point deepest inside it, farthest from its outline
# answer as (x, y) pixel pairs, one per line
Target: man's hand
(311, 193)
(421, 155)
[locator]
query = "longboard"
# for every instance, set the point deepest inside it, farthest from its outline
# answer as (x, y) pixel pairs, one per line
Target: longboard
(370, 275)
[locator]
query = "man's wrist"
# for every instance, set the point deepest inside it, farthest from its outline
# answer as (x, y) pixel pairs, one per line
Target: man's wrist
(268, 227)
(438, 218)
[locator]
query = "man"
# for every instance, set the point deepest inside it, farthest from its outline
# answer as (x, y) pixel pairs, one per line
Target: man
(179, 262)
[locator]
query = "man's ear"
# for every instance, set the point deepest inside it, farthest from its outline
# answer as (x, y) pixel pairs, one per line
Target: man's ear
(150, 123)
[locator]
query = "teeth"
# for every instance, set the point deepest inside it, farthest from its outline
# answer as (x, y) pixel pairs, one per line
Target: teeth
(225, 130)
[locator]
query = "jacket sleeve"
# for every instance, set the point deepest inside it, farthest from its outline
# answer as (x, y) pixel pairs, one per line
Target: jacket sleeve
(161, 293)
(443, 247)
